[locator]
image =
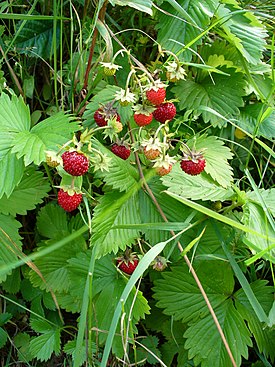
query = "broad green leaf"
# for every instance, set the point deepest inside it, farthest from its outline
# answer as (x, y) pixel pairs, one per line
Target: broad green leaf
(268, 196)
(244, 31)
(141, 5)
(181, 22)
(121, 175)
(220, 92)
(3, 337)
(216, 155)
(14, 115)
(179, 295)
(52, 221)
(148, 355)
(255, 218)
(10, 244)
(200, 187)
(114, 209)
(14, 170)
(13, 282)
(53, 266)
(21, 342)
(43, 346)
(30, 191)
(36, 38)
(264, 336)
(204, 341)
(249, 121)
(49, 134)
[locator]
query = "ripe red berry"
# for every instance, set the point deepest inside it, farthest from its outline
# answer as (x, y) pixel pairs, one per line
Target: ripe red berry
(165, 112)
(156, 97)
(121, 151)
(127, 262)
(142, 120)
(75, 163)
(68, 202)
(102, 115)
(193, 167)
(162, 171)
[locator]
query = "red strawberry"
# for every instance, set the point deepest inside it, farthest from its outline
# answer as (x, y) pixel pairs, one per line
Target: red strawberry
(156, 96)
(193, 167)
(68, 202)
(75, 163)
(128, 262)
(142, 119)
(151, 153)
(105, 113)
(165, 112)
(162, 171)
(121, 151)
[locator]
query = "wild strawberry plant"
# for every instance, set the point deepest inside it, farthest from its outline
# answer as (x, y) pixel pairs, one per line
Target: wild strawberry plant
(137, 190)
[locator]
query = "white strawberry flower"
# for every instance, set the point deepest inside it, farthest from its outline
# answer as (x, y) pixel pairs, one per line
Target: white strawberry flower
(154, 144)
(110, 65)
(125, 96)
(164, 161)
(174, 71)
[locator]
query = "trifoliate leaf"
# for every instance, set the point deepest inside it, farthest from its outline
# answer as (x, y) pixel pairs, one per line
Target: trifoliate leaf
(200, 187)
(220, 92)
(30, 191)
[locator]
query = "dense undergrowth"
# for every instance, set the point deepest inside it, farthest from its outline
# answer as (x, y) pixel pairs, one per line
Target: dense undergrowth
(137, 191)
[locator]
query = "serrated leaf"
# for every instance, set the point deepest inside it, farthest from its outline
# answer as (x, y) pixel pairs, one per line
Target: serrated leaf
(244, 31)
(9, 244)
(179, 295)
(114, 209)
(49, 134)
(43, 346)
(21, 342)
(264, 336)
(203, 335)
(15, 115)
(200, 187)
(141, 5)
(52, 221)
(181, 22)
(121, 175)
(151, 349)
(30, 191)
(216, 155)
(220, 92)
(3, 337)
(36, 38)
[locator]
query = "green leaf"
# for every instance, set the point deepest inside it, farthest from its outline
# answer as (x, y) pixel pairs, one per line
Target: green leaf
(14, 170)
(49, 134)
(52, 221)
(3, 337)
(181, 22)
(21, 342)
(203, 335)
(264, 336)
(121, 175)
(244, 31)
(249, 121)
(43, 346)
(30, 191)
(147, 347)
(36, 38)
(219, 92)
(141, 5)
(216, 155)
(14, 116)
(114, 209)
(200, 187)
(178, 293)
(255, 218)
(10, 244)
